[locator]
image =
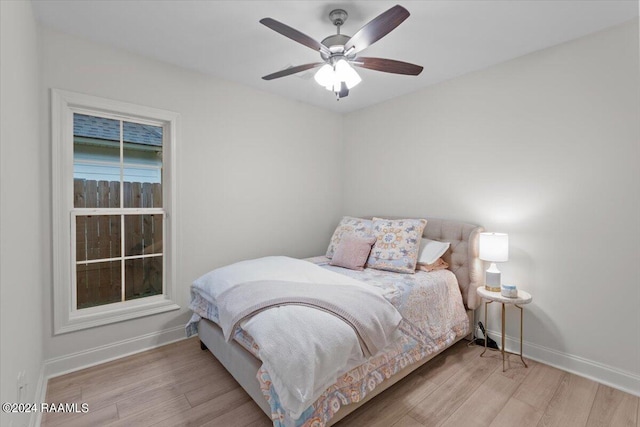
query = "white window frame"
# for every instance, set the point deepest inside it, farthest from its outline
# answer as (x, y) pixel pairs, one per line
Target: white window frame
(66, 317)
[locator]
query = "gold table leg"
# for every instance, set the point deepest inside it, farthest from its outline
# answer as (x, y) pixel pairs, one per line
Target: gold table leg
(502, 328)
(502, 349)
(521, 327)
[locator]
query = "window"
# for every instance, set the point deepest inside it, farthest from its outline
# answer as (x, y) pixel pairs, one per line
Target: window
(113, 195)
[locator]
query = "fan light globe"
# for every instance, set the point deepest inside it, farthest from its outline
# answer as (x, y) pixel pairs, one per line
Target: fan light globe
(324, 76)
(345, 73)
(331, 77)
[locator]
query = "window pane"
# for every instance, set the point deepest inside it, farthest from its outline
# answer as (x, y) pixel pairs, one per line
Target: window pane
(98, 283)
(142, 165)
(96, 194)
(96, 161)
(143, 277)
(142, 234)
(97, 237)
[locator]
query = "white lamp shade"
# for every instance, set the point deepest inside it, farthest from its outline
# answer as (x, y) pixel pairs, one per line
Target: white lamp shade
(494, 247)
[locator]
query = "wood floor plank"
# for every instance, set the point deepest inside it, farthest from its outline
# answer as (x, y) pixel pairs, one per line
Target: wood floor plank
(264, 421)
(446, 364)
(516, 370)
(98, 417)
(209, 410)
(133, 362)
(141, 401)
(138, 389)
(242, 416)
(211, 390)
(124, 378)
(202, 378)
(539, 386)
(141, 385)
(613, 407)
(408, 421)
(433, 410)
(154, 414)
(72, 395)
(94, 385)
(517, 413)
(485, 402)
(386, 408)
(571, 404)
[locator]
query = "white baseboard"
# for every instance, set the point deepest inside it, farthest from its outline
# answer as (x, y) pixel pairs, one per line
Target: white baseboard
(105, 353)
(599, 372)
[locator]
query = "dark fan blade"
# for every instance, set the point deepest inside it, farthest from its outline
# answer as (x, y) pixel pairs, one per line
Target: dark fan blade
(292, 70)
(377, 28)
(388, 65)
(294, 35)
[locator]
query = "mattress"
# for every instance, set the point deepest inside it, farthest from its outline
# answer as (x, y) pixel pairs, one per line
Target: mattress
(434, 317)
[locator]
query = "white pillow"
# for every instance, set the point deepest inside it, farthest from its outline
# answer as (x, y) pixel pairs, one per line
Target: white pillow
(431, 250)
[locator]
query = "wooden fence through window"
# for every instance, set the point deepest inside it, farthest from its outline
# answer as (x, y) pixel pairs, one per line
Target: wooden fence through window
(99, 237)
(106, 194)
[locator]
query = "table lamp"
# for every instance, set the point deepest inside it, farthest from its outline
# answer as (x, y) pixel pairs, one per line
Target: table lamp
(494, 247)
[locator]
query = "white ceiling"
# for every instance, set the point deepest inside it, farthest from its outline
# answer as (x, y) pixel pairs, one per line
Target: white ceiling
(225, 39)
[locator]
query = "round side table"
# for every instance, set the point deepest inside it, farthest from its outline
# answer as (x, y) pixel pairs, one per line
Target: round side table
(489, 297)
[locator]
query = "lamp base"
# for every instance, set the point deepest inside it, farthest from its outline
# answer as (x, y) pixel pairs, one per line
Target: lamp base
(492, 280)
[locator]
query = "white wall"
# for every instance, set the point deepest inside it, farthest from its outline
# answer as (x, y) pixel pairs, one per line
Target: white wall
(257, 175)
(22, 200)
(545, 147)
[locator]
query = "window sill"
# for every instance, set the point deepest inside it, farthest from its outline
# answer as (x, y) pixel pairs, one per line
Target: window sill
(113, 313)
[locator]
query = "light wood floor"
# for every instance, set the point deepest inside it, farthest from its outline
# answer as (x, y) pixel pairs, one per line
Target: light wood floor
(180, 385)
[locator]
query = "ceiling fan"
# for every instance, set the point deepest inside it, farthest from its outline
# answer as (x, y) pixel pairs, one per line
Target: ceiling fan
(339, 51)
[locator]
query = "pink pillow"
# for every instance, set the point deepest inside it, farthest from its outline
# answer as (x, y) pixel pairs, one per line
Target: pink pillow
(352, 252)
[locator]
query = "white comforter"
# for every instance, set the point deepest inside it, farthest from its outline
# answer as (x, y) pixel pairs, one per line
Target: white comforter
(301, 364)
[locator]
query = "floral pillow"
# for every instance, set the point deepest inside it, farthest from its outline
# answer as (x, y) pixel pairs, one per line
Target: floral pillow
(397, 245)
(349, 226)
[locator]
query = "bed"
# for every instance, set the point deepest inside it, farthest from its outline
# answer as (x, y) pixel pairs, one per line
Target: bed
(450, 288)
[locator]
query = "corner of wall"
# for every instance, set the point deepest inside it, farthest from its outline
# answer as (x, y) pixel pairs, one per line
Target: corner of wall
(23, 258)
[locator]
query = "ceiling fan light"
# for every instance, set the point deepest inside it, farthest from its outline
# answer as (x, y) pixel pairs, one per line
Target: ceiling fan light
(325, 76)
(352, 79)
(346, 73)
(342, 68)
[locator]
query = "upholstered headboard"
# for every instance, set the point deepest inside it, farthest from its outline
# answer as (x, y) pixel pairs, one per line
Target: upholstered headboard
(462, 257)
